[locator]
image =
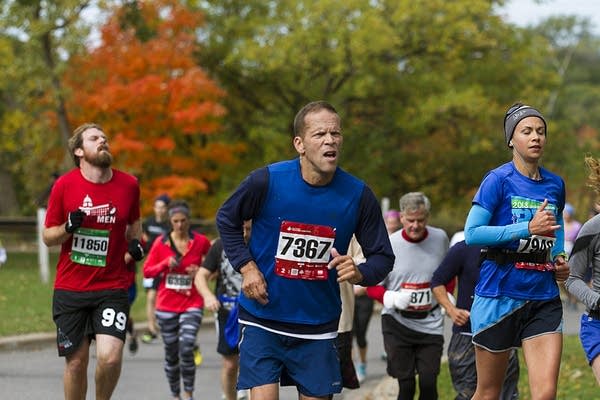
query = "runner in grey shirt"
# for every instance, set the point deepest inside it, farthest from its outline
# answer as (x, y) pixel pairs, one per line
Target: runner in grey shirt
(586, 254)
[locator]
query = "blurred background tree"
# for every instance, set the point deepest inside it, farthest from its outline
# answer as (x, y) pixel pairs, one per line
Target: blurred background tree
(195, 94)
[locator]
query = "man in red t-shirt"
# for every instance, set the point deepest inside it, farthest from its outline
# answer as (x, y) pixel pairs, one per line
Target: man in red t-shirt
(94, 214)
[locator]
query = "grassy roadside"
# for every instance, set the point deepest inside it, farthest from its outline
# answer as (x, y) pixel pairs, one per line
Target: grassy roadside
(26, 303)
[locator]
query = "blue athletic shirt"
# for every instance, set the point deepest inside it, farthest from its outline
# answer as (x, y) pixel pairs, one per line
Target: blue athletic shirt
(277, 193)
(502, 208)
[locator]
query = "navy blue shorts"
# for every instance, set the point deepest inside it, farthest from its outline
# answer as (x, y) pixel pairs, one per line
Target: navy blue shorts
(132, 293)
(312, 365)
(589, 334)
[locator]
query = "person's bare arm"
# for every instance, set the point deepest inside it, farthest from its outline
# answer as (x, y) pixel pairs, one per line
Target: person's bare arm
(55, 235)
(134, 231)
(254, 285)
(458, 315)
(201, 282)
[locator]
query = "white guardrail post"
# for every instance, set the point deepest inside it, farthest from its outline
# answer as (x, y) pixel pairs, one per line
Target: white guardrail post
(43, 257)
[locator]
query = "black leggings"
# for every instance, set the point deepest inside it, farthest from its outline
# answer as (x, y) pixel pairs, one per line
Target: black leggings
(427, 388)
(363, 310)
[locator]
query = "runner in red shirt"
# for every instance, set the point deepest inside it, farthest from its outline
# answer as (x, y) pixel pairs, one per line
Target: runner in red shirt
(178, 255)
(94, 214)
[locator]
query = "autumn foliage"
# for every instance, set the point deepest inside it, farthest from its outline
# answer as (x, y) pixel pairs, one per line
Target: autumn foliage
(160, 110)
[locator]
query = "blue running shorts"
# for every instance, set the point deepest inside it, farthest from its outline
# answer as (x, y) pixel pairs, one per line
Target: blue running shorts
(589, 334)
(312, 365)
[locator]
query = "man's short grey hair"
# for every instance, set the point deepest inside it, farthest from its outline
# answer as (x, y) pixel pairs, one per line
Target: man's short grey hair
(414, 201)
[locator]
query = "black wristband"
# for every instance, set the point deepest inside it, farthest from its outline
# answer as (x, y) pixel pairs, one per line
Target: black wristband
(135, 249)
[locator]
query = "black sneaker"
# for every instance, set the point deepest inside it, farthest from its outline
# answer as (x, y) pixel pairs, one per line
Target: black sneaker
(133, 345)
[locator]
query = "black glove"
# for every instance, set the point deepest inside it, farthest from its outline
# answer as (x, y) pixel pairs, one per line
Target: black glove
(74, 220)
(135, 249)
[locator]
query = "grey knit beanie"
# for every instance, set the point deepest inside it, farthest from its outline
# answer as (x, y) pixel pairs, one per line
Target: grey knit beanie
(516, 113)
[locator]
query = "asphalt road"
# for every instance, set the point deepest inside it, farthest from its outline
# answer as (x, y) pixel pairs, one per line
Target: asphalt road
(28, 373)
(34, 371)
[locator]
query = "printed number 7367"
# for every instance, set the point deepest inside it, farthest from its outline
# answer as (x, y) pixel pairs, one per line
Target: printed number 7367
(301, 247)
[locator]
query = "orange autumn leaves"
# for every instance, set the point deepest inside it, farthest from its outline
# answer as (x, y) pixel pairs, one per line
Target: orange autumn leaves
(160, 109)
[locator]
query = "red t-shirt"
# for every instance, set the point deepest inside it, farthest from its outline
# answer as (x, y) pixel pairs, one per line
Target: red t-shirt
(172, 294)
(93, 257)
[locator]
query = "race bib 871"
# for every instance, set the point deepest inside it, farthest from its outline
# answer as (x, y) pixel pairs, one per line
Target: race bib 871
(303, 251)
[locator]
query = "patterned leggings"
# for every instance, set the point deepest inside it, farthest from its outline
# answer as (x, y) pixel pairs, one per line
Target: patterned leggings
(178, 331)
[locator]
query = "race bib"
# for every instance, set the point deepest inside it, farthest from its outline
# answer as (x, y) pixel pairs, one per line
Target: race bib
(303, 251)
(536, 244)
(178, 281)
(90, 247)
(420, 296)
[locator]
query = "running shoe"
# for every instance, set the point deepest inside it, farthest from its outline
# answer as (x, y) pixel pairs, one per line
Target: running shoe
(148, 337)
(133, 345)
(361, 371)
(197, 356)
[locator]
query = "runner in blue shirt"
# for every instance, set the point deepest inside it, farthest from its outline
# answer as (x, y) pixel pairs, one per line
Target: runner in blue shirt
(517, 216)
(304, 212)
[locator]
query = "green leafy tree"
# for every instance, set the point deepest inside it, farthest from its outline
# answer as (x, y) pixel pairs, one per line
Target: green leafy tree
(573, 105)
(421, 86)
(37, 37)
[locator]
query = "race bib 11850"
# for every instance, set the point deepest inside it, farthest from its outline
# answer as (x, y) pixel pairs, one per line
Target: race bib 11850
(90, 247)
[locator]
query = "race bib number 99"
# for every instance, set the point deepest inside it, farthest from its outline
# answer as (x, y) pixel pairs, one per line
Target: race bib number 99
(303, 251)
(90, 247)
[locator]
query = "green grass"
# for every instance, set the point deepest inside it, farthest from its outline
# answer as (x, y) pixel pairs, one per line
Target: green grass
(26, 307)
(575, 382)
(26, 302)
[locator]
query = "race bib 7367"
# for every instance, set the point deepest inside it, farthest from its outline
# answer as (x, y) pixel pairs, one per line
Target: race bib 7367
(303, 250)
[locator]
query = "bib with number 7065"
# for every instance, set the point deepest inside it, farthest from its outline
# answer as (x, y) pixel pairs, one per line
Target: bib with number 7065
(303, 251)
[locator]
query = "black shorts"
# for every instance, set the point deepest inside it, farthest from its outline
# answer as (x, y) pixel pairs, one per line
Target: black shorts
(410, 352)
(222, 346)
(526, 319)
(84, 314)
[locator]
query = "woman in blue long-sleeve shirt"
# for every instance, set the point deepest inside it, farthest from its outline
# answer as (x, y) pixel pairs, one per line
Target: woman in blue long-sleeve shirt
(517, 215)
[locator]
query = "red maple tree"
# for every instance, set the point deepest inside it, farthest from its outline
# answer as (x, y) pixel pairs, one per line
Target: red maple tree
(159, 108)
